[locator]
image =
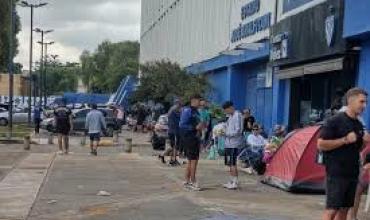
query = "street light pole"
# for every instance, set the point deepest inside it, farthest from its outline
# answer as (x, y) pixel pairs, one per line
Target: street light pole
(45, 66)
(11, 68)
(31, 6)
(43, 32)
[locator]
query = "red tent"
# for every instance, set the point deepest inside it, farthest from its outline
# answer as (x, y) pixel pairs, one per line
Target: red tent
(293, 168)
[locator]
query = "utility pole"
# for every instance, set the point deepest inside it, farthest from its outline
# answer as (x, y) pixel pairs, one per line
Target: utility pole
(11, 68)
(30, 76)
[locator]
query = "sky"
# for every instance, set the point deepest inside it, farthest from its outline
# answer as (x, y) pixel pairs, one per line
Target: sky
(78, 25)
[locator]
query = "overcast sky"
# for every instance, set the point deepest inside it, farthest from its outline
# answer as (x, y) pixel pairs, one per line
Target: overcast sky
(79, 25)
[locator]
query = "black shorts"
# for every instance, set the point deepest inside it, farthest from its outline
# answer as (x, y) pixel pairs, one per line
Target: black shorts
(63, 130)
(94, 136)
(191, 145)
(174, 140)
(340, 192)
(231, 156)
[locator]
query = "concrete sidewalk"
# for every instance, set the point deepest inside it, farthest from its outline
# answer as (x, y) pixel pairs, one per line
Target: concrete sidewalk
(19, 188)
(142, 188)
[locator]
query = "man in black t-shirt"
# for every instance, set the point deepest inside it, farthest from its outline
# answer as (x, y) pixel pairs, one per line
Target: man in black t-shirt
(342, 138)
(63, 125)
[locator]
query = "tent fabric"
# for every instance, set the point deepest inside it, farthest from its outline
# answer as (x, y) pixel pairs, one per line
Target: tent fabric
(293, 168)
(72, 98)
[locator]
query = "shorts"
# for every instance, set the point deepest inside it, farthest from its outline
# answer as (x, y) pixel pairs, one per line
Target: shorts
(191, 145)
(63, 130)
(174, 140)
(340, 192)
(94, 136)
(231, 156)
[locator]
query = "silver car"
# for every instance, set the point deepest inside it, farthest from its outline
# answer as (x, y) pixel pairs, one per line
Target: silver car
(20, 116)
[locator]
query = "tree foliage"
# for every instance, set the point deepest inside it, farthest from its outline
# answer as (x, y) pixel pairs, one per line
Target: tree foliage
(62, 77)
(103, 70)
(5, 30)
(162, 81)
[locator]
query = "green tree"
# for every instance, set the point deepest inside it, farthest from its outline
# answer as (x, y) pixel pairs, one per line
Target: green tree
(62, 77)
(5, 30)
(103, 70)
(162, 81)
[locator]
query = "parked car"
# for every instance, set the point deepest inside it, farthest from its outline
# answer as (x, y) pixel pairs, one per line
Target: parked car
(79, 119)
(20, 116)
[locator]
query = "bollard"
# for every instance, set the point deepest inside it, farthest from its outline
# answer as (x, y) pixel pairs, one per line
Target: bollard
(27, 142)
(50, 138)
(115, 137)
(83, 140)
(128, 145)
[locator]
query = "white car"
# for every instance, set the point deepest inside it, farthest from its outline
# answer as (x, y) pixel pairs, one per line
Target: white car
(19, 117)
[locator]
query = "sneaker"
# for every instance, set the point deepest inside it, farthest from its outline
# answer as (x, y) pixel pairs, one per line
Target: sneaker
(227, 185)
(231, 185)
(174, 163)
(95, 153)
(186, 185)
(194, 187)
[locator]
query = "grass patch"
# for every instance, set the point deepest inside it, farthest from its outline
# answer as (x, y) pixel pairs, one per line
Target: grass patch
(19, 130)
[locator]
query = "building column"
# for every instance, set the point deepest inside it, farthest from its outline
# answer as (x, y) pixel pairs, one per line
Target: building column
(237, 86)
(281, 101)
(363, 77)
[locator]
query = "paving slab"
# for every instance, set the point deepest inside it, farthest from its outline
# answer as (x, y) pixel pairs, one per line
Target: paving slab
(18, 190)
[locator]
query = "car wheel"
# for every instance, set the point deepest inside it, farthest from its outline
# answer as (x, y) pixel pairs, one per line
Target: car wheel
(3, 122)
(110, 131)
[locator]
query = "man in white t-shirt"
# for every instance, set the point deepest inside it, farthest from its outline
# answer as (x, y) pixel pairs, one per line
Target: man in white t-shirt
(234, 141)
(255, 139)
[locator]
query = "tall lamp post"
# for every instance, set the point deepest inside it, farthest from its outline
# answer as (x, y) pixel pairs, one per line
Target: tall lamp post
(43, 33)
(11, 66)
(32, 7)
(44, 71)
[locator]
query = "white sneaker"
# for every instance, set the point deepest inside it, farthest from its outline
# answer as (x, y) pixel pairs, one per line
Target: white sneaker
(231, 185)
(186, 185)
(194, 187)
(227, 185)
